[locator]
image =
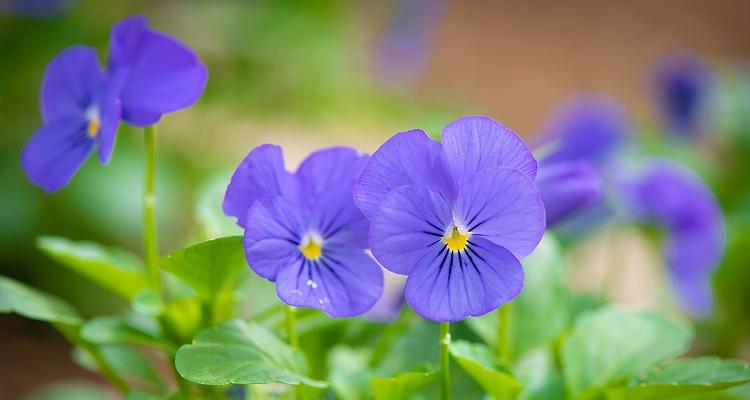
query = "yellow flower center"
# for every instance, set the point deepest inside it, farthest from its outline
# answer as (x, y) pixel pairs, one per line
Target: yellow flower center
(457, 240)
(93, 127)
(311, 249)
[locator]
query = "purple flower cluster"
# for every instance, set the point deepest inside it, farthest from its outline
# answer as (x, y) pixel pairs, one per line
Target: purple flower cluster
(149, 74)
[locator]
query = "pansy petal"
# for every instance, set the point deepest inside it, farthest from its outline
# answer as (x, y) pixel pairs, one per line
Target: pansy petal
(343, 282)
(585, 127)
(272, 235)
(451, 286)
(55, 152)
(567, 187)
(408, 158)
(325, 168)
(691, 257)
(261, 173)
(110, 116)
(473, 144)
(408, 227)
(164, 75)
(504, 206)
(336, 219)
(72, 83)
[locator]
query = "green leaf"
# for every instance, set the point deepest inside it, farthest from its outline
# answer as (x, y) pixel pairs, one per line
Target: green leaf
(402, 386)
(112, 330)
(685, 377)
(148, 302)
(209, 267)
(236, 352)
(126, 361)
(349, 376)
(31, 303)
(72, 391)
(540, 377)
(479, 362)
(542, 310)
(114, 268)
(611, 344)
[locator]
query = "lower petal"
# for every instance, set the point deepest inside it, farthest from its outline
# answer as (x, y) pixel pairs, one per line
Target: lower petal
(344, 282)
(451, 286)
(55, 152)
(272, 235)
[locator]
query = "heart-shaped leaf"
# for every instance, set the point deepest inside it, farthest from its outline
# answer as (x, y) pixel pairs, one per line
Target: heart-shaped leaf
(611, 344)
(685, 377)
(236, 352)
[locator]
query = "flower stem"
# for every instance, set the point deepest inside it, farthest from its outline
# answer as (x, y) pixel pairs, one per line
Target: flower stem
(291, 326)
(445, 373)
(150, 244)
(502, 347)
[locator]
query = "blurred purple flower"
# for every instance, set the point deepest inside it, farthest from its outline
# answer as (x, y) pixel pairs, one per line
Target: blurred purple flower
(590, 127)
(35, 8)
(676, 199)
(80, 111)
(455, 216)
(303, 231)
(567, 188)
(582, 136)
(404, 48)
(681, 86)
(162, 74)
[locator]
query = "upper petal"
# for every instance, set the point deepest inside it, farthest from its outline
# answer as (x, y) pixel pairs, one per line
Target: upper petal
(324, 169)
(408, 158)
(260, 173)
(473, 144)
(109, 110)
(335, 217)
(272, 235)
(72, 83)
(164, 75)
(408, 227)
(503, 205)
(451, 286)
(344, 282)
(567, 187)
(55, 152)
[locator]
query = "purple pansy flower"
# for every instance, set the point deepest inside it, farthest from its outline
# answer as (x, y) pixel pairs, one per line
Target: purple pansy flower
(676, 199)
(568, 187)
(162, 74)
(80, 111)
(583, 134)
(681, 85)
(589, 127)
(455, 216)
(303, 231)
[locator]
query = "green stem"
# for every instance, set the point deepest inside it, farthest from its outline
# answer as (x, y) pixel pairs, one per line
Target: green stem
(445, 373)
(502, 347)
(150, 238)
(150, 243)
(291, 326)
(102, 364)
